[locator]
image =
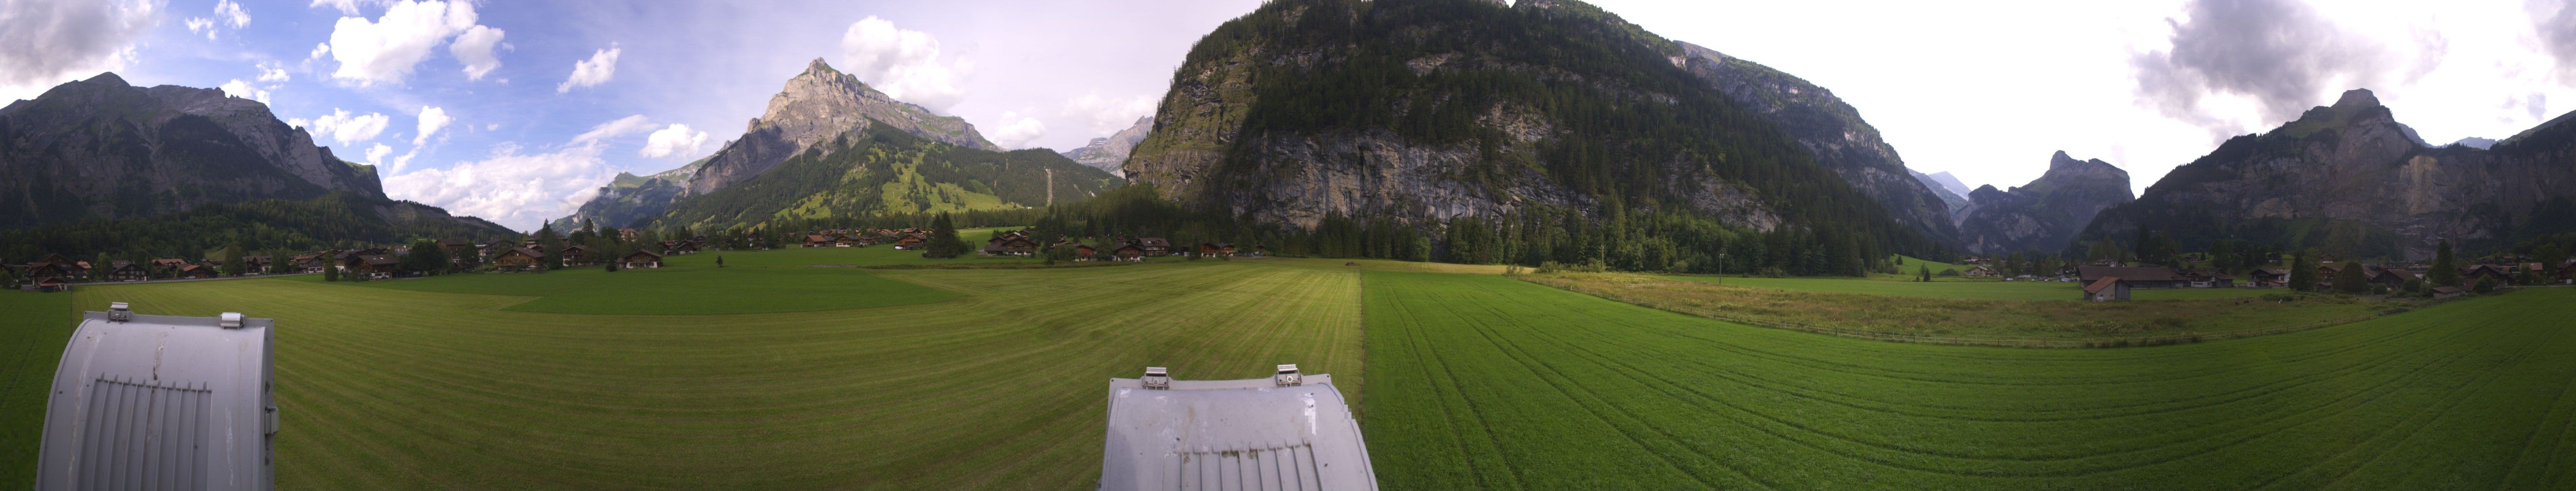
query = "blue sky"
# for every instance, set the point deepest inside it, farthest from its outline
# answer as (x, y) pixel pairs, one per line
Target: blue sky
(537, 102)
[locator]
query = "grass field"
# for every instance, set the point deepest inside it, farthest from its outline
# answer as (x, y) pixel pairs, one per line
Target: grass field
(679, 289)
(1967, 290)
(1489, 383)
(1000, 387)
(34, 328)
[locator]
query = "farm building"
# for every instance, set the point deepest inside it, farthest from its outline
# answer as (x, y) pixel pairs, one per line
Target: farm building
(677, 247)
(256, 264)
(1155, 246)
(2394, 278)
(640, 259)
(374, 266)
(183, 401)
(908, 242)
(196, 272)
(457, 249)
(577, 255)
(1010, 245)
(48, 285)
(2135, 277)
(2446, 291)
(1980, 271)
(2567, 274)
(2106, 289)
(2501, 274)
(1290, 431)
(2271, 278)
(128, 271)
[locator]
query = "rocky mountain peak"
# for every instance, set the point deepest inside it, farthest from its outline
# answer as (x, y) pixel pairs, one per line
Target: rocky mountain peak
(2357, 98)
(814, 106)
(2061, 163)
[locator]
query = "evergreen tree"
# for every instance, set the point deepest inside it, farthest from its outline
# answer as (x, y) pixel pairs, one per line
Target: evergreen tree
(330, 272)
(2303, 272)
(1927, 273)
(2446, 269)
(2350, 279)
(943, 241)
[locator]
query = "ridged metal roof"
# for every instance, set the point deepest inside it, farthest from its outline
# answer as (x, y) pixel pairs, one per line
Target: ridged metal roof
(148, 402)
(1284, 433)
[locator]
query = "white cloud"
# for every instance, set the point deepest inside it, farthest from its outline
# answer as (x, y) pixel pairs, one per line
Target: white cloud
(601, 66)
(517, 190)
(348, 129)
(474, 49)
(238, 88)
(347, 7)
(677, 139)
(299, 122)
(431, 119)
(202, 25)
(402, 161)
(376, 154)
(614, 128)
(386, 50)
(271, 72)
(319, 49)
(1017, 131)
(1102, 116)
(47, 43)
(231, 13)
(903, 63)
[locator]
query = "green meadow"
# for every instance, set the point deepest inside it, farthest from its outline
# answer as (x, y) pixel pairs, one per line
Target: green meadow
(1966, 290)
(771, 373)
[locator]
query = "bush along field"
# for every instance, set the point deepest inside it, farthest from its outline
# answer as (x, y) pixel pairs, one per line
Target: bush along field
(1983, 322)
(1482, 382)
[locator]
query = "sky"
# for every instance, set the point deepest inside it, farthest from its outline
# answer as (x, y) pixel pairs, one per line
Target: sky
(516, 111)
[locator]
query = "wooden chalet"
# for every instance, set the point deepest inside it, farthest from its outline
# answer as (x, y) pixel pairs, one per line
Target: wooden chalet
(1010, 245)
(168, 266)
(41, 270)
(640, 259)
(2500, 274)
(812, 240)
(196, 272)
(2134, 277)
(2567, 274)
(254, 265)
(2394, 278)
(519, 258)
(2210, 278)
(908, 242)
(573, 255)
(2106, 289)
(846, 240)
(496, 247)
(374, 266)
(1212, 249)
(2271, 278)
(678, 247)
(1081, 251)
(1980, 271)
(1155, 246)
(627, 234)
(128, 271)
(309, 263)
(1127, 251)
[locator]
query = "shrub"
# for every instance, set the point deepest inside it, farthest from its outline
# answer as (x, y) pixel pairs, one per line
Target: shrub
(2378, 289)
(1950, 273)
(2486, 284)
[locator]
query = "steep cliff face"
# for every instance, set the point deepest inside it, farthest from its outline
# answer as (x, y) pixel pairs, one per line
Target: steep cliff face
(2045, 215)
(629, 198)
(1110, 153)
(818, 104)
(103, 149)
(883, 170)
(2351, 179)
(1830, 128)
(1950, 197)
(1423, 111)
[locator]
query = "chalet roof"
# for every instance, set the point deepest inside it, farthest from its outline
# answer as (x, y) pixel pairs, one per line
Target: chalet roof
(169, 262)
(1301, 433)
(378, 259)
(160, 393)
(2098, 285)
(816, 238)
(1153, 242)
(649, 254)
(571, 249)
(2089, 273)
(523, 251)
(2401, 273)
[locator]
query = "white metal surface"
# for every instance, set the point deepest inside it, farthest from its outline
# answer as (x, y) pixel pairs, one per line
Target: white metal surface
(161, 402)
(1250, 434)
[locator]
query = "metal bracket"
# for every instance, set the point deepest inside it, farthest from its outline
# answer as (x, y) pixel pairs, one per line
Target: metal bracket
(119, 312)
(1158, 378)
(1288, 376)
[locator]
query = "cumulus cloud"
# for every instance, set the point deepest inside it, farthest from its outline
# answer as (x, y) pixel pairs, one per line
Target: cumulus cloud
(1106, 115)
(431, 120)
(903, 63)
(1017, 131)
(516, 189)
(348, 129)
(386, 50)
(614, 128)
(319, 49)
(601, 66)
(677, 139)
(201, 25)
(2558, 34)
(231, 13)
(2281, 54)
(272, 72)
(475, 48)
(347, 7)
(238, 88)
(376, 154)
(48, 43)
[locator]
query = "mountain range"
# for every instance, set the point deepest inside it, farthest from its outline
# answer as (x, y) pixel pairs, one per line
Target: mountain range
(2046, 214)
(2349, 178)
(99, 164)
(1109, 152)
(1426, 111)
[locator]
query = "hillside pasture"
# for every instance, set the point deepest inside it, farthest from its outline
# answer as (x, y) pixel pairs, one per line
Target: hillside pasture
(998, 388)
(1925, 318)
(1480, 382)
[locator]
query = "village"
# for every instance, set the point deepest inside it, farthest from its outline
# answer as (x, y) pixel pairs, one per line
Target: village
(621, 249)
